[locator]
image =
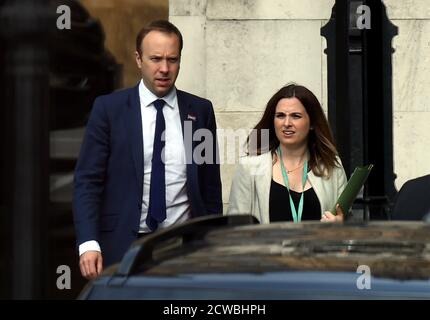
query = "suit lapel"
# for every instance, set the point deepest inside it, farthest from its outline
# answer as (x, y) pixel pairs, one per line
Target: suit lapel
(188, 126)
(134, 127)
(184, 108)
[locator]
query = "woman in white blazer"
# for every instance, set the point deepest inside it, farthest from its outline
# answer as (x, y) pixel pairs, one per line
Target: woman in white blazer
(292, 171)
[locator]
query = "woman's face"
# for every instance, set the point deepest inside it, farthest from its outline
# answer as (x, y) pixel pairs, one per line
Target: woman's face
(291, 123)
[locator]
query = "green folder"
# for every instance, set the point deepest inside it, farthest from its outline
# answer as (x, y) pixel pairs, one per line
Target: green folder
(355, 183)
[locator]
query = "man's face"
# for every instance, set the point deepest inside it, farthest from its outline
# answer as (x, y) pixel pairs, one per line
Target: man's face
(159, 62)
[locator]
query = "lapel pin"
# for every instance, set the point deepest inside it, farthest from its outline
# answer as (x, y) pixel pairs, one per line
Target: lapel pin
(191, 117)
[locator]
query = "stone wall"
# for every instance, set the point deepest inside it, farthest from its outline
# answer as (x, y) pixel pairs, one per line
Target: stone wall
(411, 88)
(237, 53)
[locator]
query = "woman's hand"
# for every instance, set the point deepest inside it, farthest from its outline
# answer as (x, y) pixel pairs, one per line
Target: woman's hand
(330, 217)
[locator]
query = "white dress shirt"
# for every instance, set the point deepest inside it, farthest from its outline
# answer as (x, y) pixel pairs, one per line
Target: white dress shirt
(177, 204)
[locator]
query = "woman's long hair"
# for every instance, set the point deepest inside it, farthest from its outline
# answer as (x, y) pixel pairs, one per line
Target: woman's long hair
(321, 144)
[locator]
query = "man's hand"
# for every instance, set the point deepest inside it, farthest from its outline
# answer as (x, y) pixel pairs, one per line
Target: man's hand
(330, 217)
(91, 264)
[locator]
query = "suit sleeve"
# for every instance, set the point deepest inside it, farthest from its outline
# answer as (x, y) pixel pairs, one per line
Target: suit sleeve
(211, 189)
(240, 201)
(90, 173)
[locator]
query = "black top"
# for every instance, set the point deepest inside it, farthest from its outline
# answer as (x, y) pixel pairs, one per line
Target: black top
(279, 204)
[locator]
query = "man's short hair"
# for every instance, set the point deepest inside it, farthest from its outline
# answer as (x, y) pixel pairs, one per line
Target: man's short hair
(158, 25)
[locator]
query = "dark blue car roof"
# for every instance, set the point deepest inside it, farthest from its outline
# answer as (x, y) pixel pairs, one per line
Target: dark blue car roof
(235, 258)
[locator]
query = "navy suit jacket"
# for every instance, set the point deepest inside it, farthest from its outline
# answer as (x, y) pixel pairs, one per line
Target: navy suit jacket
(108, 182)
(413, 202)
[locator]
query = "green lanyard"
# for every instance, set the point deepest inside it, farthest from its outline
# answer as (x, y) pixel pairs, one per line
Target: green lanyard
(296, 217)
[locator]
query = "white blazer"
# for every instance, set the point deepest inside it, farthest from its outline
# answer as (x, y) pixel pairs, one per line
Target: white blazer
(250, 187)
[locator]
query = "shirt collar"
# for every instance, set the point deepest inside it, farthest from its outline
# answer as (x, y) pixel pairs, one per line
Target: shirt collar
(147, 97)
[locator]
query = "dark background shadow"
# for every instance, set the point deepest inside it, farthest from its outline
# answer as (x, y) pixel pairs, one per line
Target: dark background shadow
(68, 69)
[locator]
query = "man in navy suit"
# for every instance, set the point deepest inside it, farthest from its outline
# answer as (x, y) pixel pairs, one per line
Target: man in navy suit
(412, 201)
(112, 189)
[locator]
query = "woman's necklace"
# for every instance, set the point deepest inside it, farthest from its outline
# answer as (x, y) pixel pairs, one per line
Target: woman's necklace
(289, 171)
